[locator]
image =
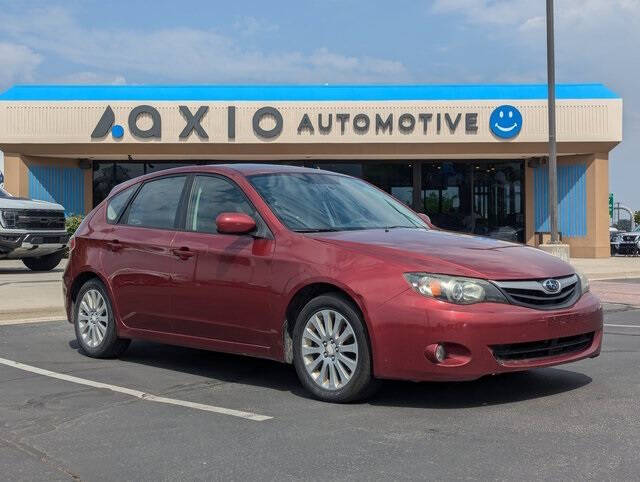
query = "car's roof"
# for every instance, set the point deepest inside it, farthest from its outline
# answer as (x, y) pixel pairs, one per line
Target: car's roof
(244, 169)
(248, 169)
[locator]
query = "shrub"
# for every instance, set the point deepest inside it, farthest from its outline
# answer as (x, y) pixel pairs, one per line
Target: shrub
(72, 223)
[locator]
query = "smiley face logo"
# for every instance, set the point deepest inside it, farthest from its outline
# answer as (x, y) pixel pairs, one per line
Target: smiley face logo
(505, 121)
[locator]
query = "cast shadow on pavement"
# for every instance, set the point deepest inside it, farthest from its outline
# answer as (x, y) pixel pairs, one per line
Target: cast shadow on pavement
(226, 368)
(26, 270)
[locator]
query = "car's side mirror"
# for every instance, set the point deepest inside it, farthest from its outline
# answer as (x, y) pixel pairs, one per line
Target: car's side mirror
(235, 223)
(426, 219)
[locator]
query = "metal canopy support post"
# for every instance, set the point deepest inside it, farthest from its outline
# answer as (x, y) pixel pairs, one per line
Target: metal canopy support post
(417, 187)
(553, 168)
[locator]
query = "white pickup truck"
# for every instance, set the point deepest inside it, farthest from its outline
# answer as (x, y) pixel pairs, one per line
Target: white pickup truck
(32, 231)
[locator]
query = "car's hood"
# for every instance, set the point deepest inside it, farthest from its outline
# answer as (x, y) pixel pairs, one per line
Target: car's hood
(23, 203)
(449, 253)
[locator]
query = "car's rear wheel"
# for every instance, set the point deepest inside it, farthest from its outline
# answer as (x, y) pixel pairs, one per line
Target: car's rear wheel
(44, 263)
(331, 350)
(95, 324)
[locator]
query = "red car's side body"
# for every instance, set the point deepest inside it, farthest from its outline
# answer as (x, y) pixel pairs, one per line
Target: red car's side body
(237, 294)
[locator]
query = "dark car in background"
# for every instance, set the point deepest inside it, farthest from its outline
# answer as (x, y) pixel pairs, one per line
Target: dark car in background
(626, 243)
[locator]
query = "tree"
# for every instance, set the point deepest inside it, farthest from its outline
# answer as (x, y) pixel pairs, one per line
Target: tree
(636, 217)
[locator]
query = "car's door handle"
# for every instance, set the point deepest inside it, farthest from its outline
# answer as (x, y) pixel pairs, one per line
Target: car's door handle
(183, 253)
(114, 245)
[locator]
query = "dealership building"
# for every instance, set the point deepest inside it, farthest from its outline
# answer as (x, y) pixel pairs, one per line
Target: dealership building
(473, 157)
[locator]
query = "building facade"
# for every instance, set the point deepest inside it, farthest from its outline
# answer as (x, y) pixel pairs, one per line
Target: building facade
(472, 157)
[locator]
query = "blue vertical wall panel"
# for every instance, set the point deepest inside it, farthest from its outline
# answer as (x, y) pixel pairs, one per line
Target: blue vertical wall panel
(572, 199)
(63, 185)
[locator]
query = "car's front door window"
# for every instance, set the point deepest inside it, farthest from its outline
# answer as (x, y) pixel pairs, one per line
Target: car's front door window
(211, 196)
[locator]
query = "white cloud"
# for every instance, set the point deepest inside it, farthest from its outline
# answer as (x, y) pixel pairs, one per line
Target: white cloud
(250, 26)
(90, 78)
(596, 41)
(186, 54)
(521, 13)
(17, 63)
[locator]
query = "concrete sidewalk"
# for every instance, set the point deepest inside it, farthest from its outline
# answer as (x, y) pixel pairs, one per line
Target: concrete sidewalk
(28, 295)
(617, 267)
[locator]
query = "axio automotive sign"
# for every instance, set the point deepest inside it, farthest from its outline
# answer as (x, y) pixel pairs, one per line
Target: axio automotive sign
(505, 122)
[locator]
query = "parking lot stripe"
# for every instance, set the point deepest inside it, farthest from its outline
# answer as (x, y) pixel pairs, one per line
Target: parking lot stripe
(622, 326)
(136, 393)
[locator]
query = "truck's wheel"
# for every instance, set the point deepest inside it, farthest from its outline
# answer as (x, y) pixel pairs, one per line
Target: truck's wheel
(44, 263)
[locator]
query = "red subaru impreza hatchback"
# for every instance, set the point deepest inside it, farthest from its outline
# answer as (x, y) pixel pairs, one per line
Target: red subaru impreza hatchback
(320, 270)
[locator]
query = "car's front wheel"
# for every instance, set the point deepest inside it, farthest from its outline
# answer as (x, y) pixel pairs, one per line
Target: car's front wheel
(95, 323)
(44, 263)
(331, 350)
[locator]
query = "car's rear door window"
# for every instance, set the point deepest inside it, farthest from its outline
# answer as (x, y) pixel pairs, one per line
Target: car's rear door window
(117, 203)
(156, 204)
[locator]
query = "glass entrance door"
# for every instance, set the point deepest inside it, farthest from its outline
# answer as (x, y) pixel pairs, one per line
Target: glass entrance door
(482, 197)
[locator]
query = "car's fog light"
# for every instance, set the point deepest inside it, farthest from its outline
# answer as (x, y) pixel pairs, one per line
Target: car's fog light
(440, 353)
(436, 353)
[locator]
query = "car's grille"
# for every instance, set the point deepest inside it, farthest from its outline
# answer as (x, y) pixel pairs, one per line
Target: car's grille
(542, 349)
(533, 294)
(32, 219)
(628, 238)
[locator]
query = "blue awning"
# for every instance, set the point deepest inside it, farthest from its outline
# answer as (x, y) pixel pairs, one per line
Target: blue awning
(302, 92)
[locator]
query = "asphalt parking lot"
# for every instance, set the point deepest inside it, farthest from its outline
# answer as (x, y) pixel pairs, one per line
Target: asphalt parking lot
(572, 422)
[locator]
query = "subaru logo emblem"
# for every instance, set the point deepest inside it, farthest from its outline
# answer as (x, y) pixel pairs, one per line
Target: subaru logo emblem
(551, 285)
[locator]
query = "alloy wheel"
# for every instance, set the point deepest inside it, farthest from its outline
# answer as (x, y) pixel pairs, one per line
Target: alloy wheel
(93, 318)
(329, 349)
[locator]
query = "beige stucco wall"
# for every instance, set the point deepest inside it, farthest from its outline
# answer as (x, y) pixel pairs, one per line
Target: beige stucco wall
(72, 122)
(15, 175)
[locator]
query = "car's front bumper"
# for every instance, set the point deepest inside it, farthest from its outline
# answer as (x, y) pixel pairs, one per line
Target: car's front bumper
(31, 244)
(404, 330)
(627, 247)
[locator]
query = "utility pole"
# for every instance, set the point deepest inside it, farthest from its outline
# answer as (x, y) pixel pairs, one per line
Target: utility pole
(551, 101)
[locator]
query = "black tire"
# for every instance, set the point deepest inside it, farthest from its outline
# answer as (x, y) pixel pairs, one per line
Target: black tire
(111, 346)
(44, 263)
(361, 385)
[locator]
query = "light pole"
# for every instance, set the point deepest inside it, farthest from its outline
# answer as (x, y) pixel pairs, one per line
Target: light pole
(551, 102)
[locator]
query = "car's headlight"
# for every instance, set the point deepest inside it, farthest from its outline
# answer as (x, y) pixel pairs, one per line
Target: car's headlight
(462, 291)
(584, 281)
(617, 239)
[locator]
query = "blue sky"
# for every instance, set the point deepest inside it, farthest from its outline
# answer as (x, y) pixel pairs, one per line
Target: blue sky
(312, 41)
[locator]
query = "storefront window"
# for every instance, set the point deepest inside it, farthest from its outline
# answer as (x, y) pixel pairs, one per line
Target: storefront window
(161, 166)
(481, 197)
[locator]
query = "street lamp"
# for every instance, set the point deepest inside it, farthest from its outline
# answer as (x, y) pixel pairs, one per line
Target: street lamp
(551, 101)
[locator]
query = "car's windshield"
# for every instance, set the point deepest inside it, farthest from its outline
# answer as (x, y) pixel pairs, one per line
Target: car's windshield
(4, 193)
(310, 202)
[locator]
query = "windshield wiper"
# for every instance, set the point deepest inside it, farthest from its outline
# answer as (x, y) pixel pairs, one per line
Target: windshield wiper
(398, 227)
(316, 230)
